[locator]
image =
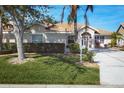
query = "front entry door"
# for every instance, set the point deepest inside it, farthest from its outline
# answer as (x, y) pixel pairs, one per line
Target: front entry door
(86, 40)
(86, 43)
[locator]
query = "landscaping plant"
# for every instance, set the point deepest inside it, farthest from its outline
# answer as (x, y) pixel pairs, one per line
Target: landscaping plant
(74, 48)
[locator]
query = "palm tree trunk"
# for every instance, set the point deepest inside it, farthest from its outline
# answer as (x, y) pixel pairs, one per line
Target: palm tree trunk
(76, 37)
(75, 28)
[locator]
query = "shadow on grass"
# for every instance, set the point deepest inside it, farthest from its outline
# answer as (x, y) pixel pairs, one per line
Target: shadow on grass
(68, 59)
(52, 59)
(64, 69)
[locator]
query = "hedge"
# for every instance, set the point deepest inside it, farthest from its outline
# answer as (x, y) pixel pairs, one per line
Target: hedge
(6, 52)
(44, 47)
(35, 47)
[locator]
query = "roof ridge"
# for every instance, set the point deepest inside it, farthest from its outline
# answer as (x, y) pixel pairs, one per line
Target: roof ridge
(69, 23)
(122, 24)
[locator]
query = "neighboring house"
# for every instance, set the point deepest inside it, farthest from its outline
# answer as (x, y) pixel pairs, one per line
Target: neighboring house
(121, 31)
(63, 33)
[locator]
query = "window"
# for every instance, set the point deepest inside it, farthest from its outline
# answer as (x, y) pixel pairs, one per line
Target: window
(71, 39)
(36, 38)
(102, 39)
(97, 37)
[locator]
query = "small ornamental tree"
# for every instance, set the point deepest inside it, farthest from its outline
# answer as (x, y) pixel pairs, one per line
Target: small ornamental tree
(22, 17)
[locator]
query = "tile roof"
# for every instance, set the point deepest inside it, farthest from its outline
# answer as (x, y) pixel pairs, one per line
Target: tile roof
(70, 27)
(65, 27)
(104, 32)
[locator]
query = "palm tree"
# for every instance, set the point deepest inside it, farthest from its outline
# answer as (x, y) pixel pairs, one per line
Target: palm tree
(73, 16)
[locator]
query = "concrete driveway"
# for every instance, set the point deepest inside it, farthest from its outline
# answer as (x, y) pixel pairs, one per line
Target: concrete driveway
(111, 66)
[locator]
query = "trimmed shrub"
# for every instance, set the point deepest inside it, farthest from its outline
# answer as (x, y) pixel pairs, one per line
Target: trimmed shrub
(74, 48)
(90, 56)
(85, 50)
(87, 55)
(9, 46)
(6, 52)
(44, 47)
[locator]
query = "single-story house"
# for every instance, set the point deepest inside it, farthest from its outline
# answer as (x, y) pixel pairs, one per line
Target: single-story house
(63, 33)
(120, 30)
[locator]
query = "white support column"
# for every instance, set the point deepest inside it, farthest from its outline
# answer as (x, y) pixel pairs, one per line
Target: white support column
(81, 50)
(93, 41)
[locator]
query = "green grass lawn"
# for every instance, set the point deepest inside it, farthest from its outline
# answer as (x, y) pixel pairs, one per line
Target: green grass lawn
(53, 69)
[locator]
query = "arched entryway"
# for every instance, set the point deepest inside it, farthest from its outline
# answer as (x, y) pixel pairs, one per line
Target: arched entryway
(86, 40)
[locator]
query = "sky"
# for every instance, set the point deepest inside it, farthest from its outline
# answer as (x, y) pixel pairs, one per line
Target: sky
(106, 17)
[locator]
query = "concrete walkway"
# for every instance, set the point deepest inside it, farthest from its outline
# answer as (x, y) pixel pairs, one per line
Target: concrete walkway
(111, 67)
(56, 86)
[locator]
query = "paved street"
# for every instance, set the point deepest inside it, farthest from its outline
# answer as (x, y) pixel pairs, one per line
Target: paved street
(111, 67)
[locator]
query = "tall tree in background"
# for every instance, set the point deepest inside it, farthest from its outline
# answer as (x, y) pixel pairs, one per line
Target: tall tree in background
(22, 17)
(3, 22)
(73, 16)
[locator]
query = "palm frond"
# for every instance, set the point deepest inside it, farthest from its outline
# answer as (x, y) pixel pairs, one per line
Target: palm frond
(70, 19)
(62, 15)
(89, 7)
